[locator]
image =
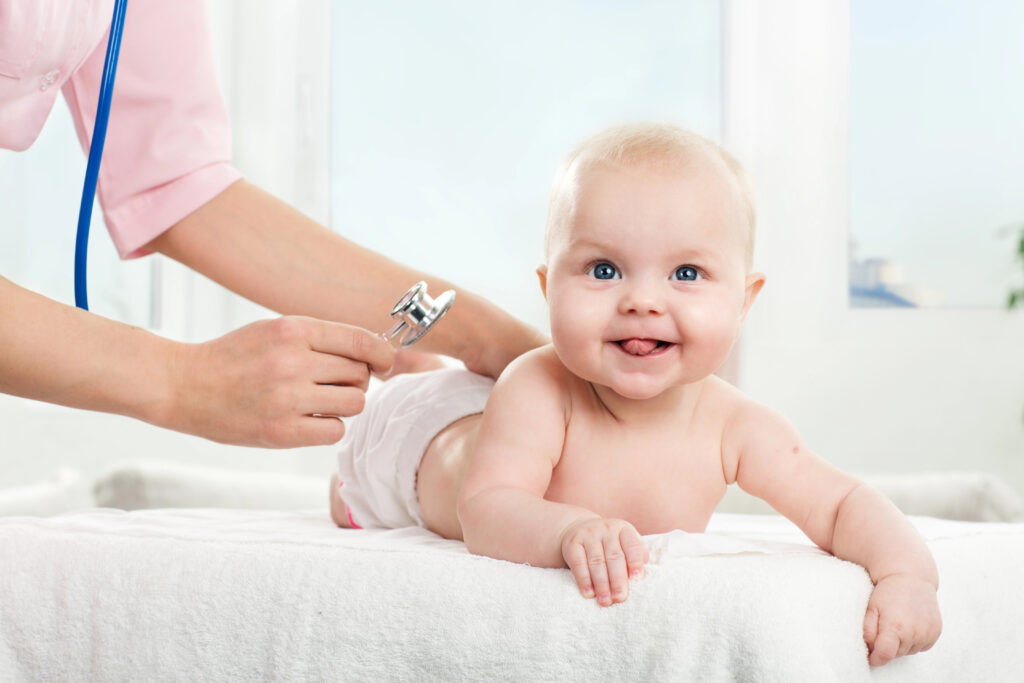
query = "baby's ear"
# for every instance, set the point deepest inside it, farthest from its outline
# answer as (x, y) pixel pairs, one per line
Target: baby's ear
(755, 281)
(542, 275)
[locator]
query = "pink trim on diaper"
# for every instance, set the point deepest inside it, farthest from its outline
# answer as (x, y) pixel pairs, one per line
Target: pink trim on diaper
(351, 521)
(348, 510)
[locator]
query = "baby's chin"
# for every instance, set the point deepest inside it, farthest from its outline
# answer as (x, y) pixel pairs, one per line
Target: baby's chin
(637, 388)
(646, 388)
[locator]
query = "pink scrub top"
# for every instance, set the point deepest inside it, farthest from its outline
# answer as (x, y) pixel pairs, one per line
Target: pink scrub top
(168, 145)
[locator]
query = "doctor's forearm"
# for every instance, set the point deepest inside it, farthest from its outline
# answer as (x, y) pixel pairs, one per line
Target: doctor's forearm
(56, 353)
(263, 249)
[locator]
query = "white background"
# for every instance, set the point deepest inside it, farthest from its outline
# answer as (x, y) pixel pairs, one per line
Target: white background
(872, 390)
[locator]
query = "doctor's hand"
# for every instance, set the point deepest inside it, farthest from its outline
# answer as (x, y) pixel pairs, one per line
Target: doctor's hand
(276, 383)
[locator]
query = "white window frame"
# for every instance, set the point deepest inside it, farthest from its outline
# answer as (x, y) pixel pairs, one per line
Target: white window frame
(273, 64)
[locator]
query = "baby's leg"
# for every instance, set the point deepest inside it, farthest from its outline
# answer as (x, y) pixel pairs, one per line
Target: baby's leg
(440, 475)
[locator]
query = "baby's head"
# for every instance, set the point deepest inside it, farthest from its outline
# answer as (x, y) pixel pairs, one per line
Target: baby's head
(653, 147)
(648, 252)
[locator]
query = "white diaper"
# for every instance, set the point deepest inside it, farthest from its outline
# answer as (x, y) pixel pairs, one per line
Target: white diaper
(384, 444)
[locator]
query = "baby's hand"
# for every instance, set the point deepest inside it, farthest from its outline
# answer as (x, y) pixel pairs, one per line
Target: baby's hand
(604, 554)
(902, 618)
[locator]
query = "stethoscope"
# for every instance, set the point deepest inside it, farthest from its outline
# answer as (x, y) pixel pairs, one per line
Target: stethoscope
(92, 168)
(415, 310)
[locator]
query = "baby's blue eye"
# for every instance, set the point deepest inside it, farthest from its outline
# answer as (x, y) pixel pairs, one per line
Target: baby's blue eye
(604, 271)
(686, 273)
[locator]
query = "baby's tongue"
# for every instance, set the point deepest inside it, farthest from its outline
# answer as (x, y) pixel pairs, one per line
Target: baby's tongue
(639, 347)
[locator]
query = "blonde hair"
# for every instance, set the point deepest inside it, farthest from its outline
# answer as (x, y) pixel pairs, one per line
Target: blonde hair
(655, 145)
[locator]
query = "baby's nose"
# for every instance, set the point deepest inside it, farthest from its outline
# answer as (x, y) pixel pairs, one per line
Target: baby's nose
(642, 299)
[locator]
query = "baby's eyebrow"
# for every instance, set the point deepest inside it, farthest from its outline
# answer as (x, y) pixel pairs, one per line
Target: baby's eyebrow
(577, 243)
(696, 254)
(681, 256)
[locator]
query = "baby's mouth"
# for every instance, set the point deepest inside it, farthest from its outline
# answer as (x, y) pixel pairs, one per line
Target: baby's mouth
(643, 347)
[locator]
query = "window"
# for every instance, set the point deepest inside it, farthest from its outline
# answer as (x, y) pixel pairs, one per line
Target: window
(37, 237)
(936, 140)
(448, 120)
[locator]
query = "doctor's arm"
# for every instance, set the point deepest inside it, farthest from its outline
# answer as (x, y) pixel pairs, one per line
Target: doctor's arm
(260, 385)
(262, 248)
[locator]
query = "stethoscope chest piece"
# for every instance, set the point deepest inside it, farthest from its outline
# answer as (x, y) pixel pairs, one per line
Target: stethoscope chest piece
(417, 312)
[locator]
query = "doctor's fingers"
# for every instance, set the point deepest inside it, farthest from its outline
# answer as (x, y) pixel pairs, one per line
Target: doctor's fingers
(332, 400)
(335, 370)
(320, 431)
(348, 341)
(302, 430)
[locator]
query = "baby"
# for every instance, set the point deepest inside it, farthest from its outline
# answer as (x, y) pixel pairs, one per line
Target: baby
(620, 428)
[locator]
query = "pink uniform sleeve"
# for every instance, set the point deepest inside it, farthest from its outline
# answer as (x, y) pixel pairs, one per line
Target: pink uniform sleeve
(168, 145)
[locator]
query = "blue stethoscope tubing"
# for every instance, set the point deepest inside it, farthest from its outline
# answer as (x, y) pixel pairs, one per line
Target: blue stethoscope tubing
(99, 134)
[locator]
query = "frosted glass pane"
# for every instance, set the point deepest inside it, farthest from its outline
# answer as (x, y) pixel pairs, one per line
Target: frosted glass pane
(936, 151)
(448, 119)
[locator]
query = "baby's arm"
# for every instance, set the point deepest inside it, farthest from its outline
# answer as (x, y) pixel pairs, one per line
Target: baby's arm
(765, 455)
(502, 508)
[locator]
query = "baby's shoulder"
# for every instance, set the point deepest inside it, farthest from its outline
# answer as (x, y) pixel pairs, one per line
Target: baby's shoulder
(750, 426)
(724, 401)
(738, 412)
(538, 373)
(538, 365)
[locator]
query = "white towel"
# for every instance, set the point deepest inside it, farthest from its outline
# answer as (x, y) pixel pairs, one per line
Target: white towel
(187, 595)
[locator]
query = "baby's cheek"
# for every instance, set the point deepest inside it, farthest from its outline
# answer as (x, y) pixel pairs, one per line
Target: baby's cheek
(710, 331)
(573, 322)
(564, 334)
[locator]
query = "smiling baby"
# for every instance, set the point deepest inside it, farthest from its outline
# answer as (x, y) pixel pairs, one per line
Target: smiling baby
(619, 427)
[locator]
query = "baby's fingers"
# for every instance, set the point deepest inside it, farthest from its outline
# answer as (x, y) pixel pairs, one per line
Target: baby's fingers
(883, 643)
(635, 550)
(598, 566)
(871, 627)
(886, 648)
(576, 558)
(615, 563)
